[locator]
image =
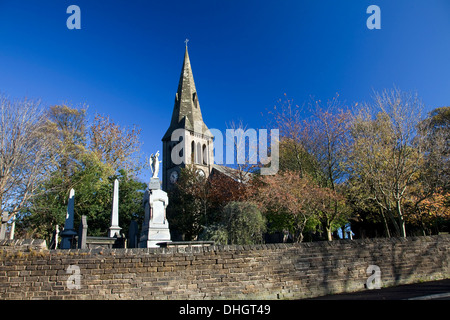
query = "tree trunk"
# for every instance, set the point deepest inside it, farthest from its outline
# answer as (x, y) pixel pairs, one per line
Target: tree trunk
(329, 235)
(386, 226)
(401, 221)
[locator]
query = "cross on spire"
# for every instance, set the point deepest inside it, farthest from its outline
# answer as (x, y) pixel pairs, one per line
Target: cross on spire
(186, 41)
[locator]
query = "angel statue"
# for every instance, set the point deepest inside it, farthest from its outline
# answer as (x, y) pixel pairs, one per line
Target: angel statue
(154, 164)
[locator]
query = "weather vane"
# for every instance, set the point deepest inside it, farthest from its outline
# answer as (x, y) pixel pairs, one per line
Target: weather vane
(186, 41)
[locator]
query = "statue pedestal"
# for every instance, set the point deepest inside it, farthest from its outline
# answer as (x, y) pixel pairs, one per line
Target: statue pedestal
(154, 184)
(155, 227)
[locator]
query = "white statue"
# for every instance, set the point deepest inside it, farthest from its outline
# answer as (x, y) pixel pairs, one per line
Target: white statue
(154, 164)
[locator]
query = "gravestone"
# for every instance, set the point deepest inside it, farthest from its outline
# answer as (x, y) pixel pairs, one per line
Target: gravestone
(82, 233)
(4, 224)
(68, 234)
(55, 238)
(114, 230)
(133, 234)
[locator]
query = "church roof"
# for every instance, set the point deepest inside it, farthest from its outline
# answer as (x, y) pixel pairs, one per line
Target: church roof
(186, 111)
(236, 175)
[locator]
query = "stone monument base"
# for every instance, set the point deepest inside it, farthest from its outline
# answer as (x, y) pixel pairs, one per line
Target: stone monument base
(155, 227)
(154, 235)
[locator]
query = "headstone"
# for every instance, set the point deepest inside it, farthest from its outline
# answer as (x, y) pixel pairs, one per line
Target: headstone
(4, 225)
(68, 234)
(55, 238)
(114, 230)
(121, 241)
(82, 233)
(133, 234)
(13, 228)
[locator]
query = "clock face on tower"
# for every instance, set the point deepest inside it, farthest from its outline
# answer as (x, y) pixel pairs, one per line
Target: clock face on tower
(201, 173)
(173, 177)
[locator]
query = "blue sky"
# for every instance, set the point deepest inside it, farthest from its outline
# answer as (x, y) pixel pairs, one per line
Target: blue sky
(126, 60)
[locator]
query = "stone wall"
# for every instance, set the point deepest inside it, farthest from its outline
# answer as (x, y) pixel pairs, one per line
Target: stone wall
(270, 271)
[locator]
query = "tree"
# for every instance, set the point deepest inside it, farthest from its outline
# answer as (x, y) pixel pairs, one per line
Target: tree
(78, 163)
(292, 197)
(189, 204)
(92, 198)
(429, 197)
(241, 223)
(314, 146)
(385, 151)
(325, 139)
(115, 145)
(435, 138)
(229, 185)
(289, 119)
(131, 193)
(427, 213)
(24, 153)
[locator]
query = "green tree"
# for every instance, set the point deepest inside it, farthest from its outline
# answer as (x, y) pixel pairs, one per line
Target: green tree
(131, 193)
(189, 204)
(241, 223)
(79, 164)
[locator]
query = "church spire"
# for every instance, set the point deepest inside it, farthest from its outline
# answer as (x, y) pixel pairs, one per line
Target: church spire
(186, 110)
(194, 143)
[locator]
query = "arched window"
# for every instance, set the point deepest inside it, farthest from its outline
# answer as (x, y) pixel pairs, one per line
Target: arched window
(199, 153)
(192, 152)
(205, 155)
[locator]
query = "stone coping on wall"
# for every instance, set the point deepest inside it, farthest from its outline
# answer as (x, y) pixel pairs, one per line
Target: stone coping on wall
(23, 244)
(40, 245)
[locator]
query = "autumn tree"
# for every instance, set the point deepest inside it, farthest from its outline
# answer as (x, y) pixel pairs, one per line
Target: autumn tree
(429, 198)
(298, 200)
(385, 153)
(24, 153)
(428, 213)
(290, 120)
(435, 133)
(227, 184)
(68, 127)
(314, 145)
(325, 138)
(88, 166)
(115, 145)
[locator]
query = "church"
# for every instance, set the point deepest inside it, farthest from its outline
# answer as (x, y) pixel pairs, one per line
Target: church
(188, 141)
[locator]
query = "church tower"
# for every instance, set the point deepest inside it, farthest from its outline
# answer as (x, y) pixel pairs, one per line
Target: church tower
(188, 140)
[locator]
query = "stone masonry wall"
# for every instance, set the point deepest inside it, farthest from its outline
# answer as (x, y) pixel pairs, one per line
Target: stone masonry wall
(269, 271)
